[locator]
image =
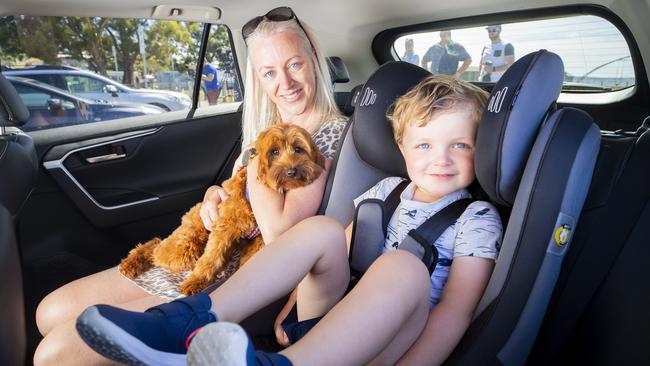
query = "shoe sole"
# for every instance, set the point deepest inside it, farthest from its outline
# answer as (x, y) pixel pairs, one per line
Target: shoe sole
(220, 343)
(114, 343)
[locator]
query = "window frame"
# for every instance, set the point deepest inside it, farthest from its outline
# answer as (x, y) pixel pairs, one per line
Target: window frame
(383, 51)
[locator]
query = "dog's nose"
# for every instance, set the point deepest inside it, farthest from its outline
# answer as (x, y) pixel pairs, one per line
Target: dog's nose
(292, 172)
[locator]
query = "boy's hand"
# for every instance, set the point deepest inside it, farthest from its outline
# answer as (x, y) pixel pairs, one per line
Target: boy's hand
(280, 336)
(209, 211)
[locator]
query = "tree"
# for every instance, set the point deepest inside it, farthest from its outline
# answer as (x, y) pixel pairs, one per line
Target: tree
(36, 38)
(85, 39)
(124, 35)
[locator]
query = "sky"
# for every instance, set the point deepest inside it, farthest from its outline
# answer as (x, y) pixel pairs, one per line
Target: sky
(583, 42)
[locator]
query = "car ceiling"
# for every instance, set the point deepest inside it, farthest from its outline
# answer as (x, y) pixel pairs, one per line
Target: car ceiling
(345, 28)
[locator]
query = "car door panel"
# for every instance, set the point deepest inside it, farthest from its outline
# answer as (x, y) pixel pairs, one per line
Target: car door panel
(130, 178)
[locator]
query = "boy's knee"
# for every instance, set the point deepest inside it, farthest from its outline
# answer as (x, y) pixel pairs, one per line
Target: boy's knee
(324, 227)
(323, 223)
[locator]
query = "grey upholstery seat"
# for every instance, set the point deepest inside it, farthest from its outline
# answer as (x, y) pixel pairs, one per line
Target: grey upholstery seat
(529, 158)
(12, 316)
(18, 161)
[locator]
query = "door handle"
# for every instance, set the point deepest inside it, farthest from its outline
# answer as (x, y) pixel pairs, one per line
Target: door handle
(107, 157)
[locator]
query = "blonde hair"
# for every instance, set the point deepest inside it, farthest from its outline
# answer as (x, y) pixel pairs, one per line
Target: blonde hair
(259, 111)
(435, 94)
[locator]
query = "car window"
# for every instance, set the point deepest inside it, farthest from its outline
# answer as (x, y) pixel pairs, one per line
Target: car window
(121, 67)
(84, 84)
(595, 54)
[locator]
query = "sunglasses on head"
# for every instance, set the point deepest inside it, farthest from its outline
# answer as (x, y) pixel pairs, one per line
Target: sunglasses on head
(279, 14)
(492, 30)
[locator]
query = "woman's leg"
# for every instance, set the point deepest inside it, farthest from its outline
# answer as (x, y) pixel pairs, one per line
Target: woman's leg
(63, 346)
(376, 322)
(278, 268)
(314, 248)
(67, 302)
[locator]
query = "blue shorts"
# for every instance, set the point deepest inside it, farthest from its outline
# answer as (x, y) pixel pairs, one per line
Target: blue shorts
(295, 329)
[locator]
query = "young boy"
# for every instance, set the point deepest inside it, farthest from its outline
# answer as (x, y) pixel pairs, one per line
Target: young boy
(397, 313)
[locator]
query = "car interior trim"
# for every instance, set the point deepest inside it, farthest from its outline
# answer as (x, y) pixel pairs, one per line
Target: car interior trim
(59, 165)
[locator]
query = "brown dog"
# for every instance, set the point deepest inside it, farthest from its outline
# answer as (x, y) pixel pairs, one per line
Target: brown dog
(288, 159)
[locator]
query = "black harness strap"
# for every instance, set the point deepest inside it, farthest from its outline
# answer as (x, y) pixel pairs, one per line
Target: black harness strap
(430, 230)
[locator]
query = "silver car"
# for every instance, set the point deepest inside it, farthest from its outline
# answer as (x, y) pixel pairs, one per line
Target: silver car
(93, 86)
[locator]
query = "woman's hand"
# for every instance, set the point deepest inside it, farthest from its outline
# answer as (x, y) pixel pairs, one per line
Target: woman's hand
(210, 206)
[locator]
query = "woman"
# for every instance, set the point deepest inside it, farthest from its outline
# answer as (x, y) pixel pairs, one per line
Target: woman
(286, 80)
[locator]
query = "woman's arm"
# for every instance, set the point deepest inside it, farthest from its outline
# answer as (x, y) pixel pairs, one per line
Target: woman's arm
(275, 212)
(449, 320)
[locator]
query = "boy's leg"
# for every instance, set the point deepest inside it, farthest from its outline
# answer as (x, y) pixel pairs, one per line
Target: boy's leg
(313, 254)
(382, 316)
(67, 302)
(375, 323)
(161, 332)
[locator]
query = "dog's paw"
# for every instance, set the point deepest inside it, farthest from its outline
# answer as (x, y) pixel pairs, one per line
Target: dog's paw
(193, 285)
(129, 269)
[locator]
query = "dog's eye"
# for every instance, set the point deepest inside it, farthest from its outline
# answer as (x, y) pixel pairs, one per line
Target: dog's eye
(298, 150)
(275, 152)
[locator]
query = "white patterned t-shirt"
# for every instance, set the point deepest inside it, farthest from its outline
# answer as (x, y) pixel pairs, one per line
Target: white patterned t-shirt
(477, 232)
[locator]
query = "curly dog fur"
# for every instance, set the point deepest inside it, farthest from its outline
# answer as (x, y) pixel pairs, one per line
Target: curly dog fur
(288, 159)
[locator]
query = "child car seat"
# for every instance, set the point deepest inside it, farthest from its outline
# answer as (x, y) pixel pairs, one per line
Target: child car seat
(528, 157)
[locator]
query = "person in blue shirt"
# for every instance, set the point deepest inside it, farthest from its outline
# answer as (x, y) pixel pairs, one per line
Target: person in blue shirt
(445, 56)
(409, 55)
(210, 82)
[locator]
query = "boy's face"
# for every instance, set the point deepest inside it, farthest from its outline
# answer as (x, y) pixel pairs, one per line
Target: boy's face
(440, 155)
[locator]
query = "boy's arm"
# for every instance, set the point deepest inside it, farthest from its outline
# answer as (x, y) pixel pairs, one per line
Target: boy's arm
(449, 320)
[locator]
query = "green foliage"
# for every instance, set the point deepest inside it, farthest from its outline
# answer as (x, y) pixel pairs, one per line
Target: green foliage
(89, 41)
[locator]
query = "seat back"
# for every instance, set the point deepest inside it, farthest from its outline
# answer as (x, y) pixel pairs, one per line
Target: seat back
(546, 204)
(602, 297)
(12, 316)
(18, 161)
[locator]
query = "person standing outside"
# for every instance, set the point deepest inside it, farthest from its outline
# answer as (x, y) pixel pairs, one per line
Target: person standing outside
(445, 56)
(409, 55)
(496, 57)
(210, 82)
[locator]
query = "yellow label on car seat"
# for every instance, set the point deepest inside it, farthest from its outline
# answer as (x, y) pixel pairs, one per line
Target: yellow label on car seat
(562, 235)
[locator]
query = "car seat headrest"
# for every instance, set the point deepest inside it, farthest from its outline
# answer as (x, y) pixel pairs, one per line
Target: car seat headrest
(518, 106)
(338, 70)
(371, 131)
(12, 110)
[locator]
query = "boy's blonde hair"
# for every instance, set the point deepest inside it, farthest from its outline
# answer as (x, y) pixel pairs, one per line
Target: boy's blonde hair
(435, 94)
(259, 111)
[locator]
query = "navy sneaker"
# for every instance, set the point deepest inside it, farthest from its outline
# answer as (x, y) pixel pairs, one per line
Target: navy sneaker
(226, 343)
(156, 337)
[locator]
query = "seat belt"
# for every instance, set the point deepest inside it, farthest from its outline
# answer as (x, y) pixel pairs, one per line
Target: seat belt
(420, 241)
(371, 223)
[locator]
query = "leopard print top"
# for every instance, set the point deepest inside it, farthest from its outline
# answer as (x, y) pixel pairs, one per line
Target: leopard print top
(160, 282)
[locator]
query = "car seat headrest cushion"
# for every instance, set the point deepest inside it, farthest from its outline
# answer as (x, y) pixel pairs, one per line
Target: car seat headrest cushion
(517, 107)
(371, 130)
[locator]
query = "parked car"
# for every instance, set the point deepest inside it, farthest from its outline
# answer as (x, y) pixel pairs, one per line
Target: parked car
(93, 86)
(51, 107)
